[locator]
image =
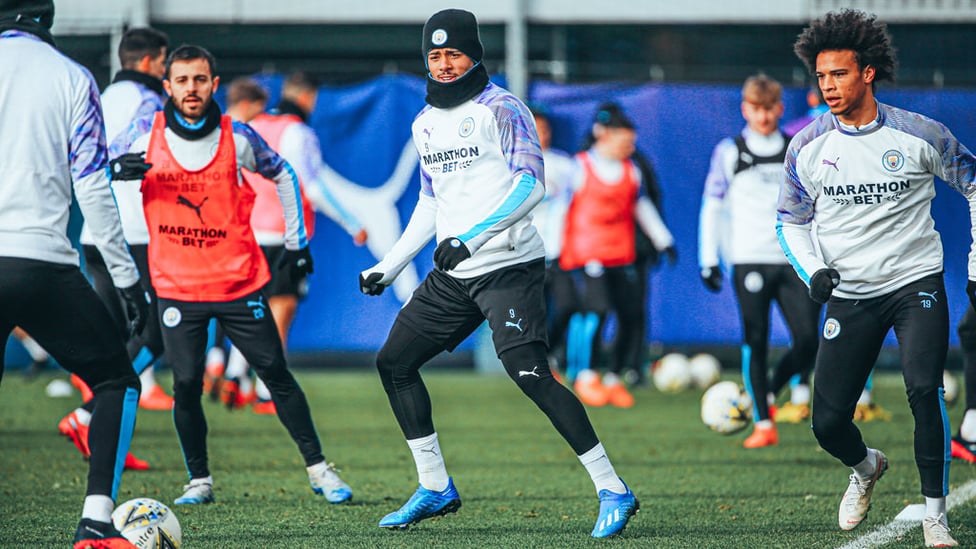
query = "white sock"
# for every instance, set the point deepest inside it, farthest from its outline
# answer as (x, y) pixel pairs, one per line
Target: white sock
(610, 379)
(800, 394)
(199, 481)
(601, 470)
(98, 508)
(262, 390)
(430, 462)
(586, 376)
(865, 397)
(867, 467)
(236, 365)
(765, 424)
(321, 469)
(148, 380)
(36, 352)
(935, 506)
(216, 356)
(770, 399)
(968, 428)
(83, 415)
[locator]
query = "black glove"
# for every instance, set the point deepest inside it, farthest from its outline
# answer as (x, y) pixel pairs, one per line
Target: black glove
(712, 277)
(971, 292)
(822, 284)
(129, 166)
(298, 262)
(370, 285)
(672, 254)
(449, 253)
(136, 307)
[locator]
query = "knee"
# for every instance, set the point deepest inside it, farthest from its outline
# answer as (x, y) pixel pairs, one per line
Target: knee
(122, 383)
(827, 423)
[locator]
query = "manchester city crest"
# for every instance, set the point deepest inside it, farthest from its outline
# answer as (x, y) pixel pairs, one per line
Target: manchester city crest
(831, 328)
(467, 127)
(893, 160)
(172, 317)
(438, 37)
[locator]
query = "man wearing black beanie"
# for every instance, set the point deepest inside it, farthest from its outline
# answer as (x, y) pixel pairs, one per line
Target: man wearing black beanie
(52, 135)
(481, 175)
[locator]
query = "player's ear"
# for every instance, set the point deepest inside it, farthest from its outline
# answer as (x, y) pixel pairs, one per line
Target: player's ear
(216, 83)
(868, 74)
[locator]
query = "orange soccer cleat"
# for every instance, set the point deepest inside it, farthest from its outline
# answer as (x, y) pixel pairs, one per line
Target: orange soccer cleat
(213, 378)
(762, 437)
(77, 432)
(86, 392)
(232, 396)
(155, 398)
(590, 390)
(265, 407)
(619, 396)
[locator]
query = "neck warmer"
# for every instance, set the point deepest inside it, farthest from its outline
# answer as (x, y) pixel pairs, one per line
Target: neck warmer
(26, 24)
(146, 80)
(179, 125)
(445, 95)
(286, 106)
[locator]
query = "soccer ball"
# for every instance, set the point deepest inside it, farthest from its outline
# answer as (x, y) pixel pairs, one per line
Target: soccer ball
(705, 370)
(950, 386)
(726, 408)
(671, 373)
(148, 524)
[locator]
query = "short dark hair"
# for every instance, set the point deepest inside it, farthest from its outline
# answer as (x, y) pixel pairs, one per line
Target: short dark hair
(297, 83)
(851, 30)
(139, 42)
(245, 89)
(188, 52)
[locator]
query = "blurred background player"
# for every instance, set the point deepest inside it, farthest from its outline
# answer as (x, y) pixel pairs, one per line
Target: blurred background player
(206, 264)
(286, 130)
(875, 256)
(964, 443)
(816, 108)
(40, 359)
(52, 135)
(549, 219)
(738, 228)
(490, 266)
(607, 203)
(136, 91)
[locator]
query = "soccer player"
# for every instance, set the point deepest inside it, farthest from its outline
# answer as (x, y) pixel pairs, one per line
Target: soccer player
(864, 175)
(53, 143)
(136, 91)
(205, 262)
(964, 443)
(739, 211)
(481, 174)
(608, 202)
(549, 218)
(286, 130)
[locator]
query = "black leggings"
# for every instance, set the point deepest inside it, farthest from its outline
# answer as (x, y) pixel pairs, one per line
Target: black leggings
(406, 351)
(967, 340)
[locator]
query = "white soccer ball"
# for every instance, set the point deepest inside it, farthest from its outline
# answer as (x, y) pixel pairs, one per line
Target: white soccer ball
(726, 408)
(705, 370)
(951, 386)
(671, 373)
(148, 524)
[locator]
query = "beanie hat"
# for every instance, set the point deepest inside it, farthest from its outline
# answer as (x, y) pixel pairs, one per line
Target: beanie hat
(453, 28)
(42, 11)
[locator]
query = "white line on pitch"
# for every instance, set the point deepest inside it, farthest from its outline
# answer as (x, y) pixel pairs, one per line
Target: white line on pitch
(893, 530)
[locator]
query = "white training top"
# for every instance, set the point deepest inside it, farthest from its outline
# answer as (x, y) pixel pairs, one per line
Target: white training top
(869, 191)
(481, 173)
(737, 224)
(548, 218)
(52, 137)
(124, 102)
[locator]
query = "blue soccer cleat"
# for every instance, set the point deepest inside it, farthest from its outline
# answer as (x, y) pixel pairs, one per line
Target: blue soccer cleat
(615, 510)
(196, 494)
(329, 484)
(423, 504)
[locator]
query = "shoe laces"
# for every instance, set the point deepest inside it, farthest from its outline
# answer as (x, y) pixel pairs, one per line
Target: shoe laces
(937, 526)
(857, 487)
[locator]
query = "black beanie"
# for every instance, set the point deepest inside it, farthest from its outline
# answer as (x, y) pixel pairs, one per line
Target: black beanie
(612, 116)
(41, 10)
(453, 28)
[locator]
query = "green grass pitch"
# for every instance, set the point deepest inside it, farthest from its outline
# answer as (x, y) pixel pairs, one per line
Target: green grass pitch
(520, 484)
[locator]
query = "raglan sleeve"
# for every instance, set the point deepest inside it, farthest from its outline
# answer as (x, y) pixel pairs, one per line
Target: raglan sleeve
(795, 214)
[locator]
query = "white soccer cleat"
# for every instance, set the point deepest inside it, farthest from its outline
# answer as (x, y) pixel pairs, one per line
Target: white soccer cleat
(936, 531)
(196, 494)
(856, 502)
(330, 485)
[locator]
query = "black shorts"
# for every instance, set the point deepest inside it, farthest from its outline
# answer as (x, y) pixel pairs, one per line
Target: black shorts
(446, 310)
(282, 282)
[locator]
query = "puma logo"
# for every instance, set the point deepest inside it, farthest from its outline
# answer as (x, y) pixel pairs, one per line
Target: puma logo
(184, 201)
(428, 132)
(430, 450)
(826, 162)
(523, 373)
(515, 325)
(929, 295)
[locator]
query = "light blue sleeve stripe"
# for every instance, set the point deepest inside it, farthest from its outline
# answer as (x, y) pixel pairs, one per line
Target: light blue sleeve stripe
(746, 351)
(804, 276)
(947, 438)
(348, 219)
(522, 191)
(302, 235)
(130, 401)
